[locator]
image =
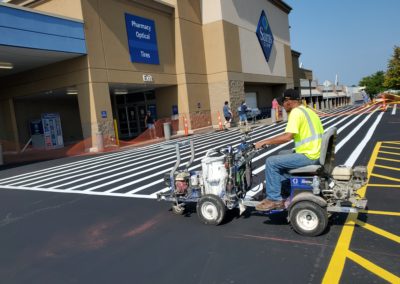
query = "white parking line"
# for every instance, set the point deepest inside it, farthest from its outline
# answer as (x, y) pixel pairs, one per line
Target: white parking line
(155, 156)
(356, 153)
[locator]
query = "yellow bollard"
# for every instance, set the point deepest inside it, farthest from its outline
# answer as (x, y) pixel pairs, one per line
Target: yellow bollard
(116, 132)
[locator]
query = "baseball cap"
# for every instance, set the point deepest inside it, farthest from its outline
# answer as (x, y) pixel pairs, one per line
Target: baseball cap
(290, 94)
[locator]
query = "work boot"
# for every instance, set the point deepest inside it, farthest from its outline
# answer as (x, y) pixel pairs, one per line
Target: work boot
(267, 205)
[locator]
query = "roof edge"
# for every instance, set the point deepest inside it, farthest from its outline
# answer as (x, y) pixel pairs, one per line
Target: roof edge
(281, 5)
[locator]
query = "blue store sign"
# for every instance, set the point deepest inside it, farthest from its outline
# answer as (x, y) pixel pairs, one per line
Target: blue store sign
(142, 39)
(264, 35)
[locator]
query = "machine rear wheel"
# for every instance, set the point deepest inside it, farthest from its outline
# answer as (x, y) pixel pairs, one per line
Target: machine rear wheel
(210, 209)
(308, 218)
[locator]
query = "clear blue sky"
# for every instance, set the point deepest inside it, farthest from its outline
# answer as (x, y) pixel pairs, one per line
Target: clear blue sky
(351, 38)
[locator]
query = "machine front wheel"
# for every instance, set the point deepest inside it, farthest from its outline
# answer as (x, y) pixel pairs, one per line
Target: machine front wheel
(308, 218)
(210, 209)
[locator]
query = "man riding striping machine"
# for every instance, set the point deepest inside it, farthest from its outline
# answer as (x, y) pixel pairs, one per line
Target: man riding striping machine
(304, 184)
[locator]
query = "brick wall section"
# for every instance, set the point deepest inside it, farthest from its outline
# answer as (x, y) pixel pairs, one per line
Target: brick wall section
(236, 96)
(200, 119)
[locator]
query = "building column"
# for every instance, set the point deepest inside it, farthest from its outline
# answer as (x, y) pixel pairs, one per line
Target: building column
(14, 124)
(8, 126)
(95, 112)
(193, 97)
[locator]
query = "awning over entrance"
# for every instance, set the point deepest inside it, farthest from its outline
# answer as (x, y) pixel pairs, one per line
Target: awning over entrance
(343, 94)
(31, 39)
(314, 92)
(332, 95)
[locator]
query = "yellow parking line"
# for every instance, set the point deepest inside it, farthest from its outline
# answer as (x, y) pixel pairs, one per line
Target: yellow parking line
(377, 270)
(390, 160)
(385, 177)
(387, 213)
(386, 167)
(392, 142)
(336, 265)
(379, 231)
(391, 153)
(382, 185)
(390, 147)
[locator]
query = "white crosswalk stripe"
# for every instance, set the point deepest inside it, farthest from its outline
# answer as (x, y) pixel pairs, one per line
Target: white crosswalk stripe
(139, 172)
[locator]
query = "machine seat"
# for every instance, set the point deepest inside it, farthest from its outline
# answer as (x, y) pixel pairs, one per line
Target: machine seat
(327, 155)
(306, 170)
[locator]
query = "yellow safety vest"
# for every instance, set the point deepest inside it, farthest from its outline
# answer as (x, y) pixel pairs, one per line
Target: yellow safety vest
(307, 129)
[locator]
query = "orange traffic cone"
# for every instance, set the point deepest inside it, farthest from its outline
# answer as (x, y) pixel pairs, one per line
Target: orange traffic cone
(219, 122)
(185, 126)
(384, 103)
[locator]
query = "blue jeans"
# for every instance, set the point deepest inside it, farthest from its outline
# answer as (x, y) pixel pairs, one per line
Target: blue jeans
(243, 117)
(276, 171)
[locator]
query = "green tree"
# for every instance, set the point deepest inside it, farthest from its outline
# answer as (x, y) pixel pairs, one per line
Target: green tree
(373, 84)
(392, 77)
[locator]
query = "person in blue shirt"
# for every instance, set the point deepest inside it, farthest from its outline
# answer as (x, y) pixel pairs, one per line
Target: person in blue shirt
(227, 114)
(242, 113)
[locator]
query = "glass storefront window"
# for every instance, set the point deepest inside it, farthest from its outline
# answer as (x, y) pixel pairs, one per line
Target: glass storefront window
(134, 98)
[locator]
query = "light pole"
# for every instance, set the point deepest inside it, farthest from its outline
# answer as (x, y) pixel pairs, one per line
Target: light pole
(309, 81)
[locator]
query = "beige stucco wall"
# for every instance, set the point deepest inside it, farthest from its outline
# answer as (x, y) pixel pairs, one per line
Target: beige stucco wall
(234, 56)
(246, 17)
(214, 46)
(191, 64)
(207, 49)
(211, 11)
(66, 8)
(222, 57)
(171, 3)
(108, 42)
(166, 97)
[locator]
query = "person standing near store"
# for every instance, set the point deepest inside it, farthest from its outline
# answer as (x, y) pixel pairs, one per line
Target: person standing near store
(305, 128)
(227, 114)
(149, 123)
(242, 113)
(275, 106)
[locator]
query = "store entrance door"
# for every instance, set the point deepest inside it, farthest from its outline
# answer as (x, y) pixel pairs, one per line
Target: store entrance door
(130, 110)
(126, 120)
(131, 120)
(141, 110)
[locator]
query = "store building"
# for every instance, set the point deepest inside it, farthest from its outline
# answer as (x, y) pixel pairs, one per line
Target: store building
(334, 95)
(97, 61)
(311, 95)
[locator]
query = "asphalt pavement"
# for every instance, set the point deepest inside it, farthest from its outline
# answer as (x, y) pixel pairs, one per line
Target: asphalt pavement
(95, 219)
